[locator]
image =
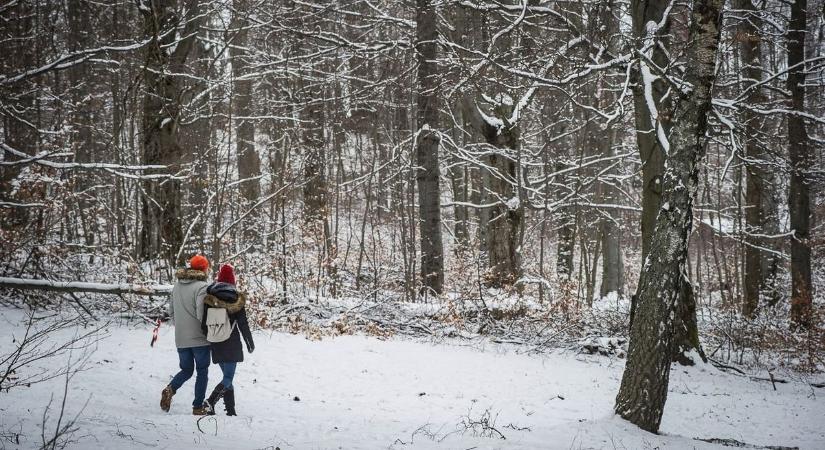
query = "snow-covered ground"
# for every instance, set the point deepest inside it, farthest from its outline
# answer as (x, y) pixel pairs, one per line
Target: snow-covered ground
(355, 392)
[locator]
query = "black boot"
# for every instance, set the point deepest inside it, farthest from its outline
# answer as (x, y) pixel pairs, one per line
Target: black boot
(214, 397)
(229, 402)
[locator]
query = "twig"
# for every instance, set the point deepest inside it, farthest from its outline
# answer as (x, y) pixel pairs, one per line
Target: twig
(198, 423)
(734, 443)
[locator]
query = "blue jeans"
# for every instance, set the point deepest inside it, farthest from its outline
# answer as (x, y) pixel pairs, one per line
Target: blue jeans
(228, 370)
(190, 359)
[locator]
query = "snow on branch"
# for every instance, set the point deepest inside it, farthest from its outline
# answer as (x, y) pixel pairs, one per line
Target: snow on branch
(41, 159)
(68, 60)
(80, 286)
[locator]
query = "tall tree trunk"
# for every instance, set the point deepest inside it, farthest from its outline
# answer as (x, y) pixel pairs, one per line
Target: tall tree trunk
(460, 185)
(249, 163)
(316, 190)
(801, 156)
(566, 242)
(505, 218)
(85, 105)
(315, 180)
(650, 151)
(199, 151)
(18, 133)
(427, 143)
(760, 213)
(161, 234)
(643, 392)
(650, 133)
(610, 230)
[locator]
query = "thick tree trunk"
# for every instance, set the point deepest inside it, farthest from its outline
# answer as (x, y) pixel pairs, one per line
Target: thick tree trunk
(649, 132)
(503, 222)
(199, 152)
(506, 220)
(249, 163)
(427, 143)
(643, 392)
(801, 156)
(650, 151)
(161, 233)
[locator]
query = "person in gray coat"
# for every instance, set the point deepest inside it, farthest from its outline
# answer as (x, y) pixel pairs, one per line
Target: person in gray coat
(186, 309)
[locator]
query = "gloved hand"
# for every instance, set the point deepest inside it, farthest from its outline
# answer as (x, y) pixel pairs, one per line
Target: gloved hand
(250, 347)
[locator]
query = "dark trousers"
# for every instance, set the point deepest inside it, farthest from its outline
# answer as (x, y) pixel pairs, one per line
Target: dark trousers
(191, 359)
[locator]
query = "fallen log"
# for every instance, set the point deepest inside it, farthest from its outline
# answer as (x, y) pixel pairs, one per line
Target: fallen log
(82, 286)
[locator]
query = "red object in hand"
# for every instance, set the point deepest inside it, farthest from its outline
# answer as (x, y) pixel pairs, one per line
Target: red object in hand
(155, 334)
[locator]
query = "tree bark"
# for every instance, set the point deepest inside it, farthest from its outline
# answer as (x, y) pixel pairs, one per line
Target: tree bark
(650, 146)
(650, 150)
(643, 391)
(18, 133)
(427, 143)
(801, 158)
(611, 234)
(505, 218)
(199, 151)
(460, 185)
(249, 163)
(161, 233)
(760, 213)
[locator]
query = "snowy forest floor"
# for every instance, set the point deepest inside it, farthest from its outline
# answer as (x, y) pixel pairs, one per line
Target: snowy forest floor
(362, 392)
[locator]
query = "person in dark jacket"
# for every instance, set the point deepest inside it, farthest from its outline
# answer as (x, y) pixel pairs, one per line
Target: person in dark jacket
(227, 354)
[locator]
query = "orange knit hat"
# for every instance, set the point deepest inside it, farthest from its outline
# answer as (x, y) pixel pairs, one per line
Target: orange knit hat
(199, 262)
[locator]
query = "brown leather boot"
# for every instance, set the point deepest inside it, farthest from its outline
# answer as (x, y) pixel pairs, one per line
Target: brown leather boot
(200, 411)
(166, 398)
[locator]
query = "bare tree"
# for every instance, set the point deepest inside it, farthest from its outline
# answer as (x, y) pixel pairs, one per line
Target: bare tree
(162, 229)
(249, 163)
(801, 160)
(643, 392)
(761, 208)
(428, 173)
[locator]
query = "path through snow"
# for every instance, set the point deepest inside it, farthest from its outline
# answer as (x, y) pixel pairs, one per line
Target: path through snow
(363, 393)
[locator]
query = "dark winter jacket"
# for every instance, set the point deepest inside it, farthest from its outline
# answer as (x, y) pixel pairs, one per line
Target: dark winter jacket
(224, 295)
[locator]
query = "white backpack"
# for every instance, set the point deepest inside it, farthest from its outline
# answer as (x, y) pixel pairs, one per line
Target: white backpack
(218, 326)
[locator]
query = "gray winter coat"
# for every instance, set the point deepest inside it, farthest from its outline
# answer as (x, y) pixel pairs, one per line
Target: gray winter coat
(186, 308)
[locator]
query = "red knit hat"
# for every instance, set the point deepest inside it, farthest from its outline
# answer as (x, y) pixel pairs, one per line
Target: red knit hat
(226, 274)
(199, 262)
